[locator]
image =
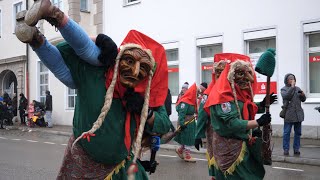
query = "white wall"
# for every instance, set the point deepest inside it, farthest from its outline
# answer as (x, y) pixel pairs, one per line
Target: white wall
(10, 46)
(184, 21)
(61, 114)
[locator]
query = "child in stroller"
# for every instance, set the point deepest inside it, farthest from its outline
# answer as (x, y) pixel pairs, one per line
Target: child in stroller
(36, 114)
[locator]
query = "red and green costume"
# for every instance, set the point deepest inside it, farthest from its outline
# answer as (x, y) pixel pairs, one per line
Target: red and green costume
(235, 155)
(186, 108)
(108, 153)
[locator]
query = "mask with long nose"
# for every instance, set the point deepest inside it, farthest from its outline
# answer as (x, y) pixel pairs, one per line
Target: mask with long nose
(243, 76)
(134, 66)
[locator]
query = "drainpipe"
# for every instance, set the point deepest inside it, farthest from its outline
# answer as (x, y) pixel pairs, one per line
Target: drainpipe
(27, 63)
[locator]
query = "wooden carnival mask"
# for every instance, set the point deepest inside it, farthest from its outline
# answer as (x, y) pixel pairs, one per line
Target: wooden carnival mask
(243, 76)
(134, 66)
(218, 68)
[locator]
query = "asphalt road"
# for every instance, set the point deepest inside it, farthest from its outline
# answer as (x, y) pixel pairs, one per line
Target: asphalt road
(36, 155)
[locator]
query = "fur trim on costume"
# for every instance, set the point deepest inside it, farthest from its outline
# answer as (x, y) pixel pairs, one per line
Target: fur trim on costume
(232, 168)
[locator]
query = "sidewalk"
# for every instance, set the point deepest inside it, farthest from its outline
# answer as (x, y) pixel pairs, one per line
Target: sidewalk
(310, 148)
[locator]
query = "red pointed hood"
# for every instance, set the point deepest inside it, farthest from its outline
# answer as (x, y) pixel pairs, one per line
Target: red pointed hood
(222, 91)
(229, 57)
(190, 97)
(159, 84)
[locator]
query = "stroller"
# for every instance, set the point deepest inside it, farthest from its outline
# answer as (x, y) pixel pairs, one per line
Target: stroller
(36, 114)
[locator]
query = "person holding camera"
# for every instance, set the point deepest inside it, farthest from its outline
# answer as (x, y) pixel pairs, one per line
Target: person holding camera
(292, 97)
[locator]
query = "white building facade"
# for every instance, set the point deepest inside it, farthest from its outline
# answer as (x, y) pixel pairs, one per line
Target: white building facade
(193, 31)
(21, 71)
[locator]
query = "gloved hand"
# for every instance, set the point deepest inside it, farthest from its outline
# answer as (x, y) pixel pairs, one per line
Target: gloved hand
(273, 98)
(183, 127)
(198, 143)
(257, 133)
(149, 166)
(264, 119)
(134, 101)
(109, 50)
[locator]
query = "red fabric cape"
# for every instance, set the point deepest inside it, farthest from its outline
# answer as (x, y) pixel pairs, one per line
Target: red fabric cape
(190, 97)
(159, 83)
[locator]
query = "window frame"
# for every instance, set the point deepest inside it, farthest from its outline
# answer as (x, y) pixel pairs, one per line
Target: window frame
(309, 50)
(206, 60)
(14, 5)
(67, 107)
(39, 80)
(127, 3)
(87, 6)
(60, 4)
(272, 34)
(172, 46)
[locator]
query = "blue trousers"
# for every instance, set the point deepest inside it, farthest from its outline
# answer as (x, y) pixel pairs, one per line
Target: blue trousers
(81, 43)
(286, 135)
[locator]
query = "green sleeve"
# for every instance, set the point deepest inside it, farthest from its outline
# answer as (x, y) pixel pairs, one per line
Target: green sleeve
(162, 122)
(79, 68)
(226, 121)
(182, 110)
(260, 108)
(202, 121)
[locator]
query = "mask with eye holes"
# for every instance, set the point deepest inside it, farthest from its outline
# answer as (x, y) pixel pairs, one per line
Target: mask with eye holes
(134, 66)
(243, 76)
(218, 68)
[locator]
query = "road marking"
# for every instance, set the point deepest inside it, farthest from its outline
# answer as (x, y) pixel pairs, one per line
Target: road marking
(289, 169)
(3, 138)
(64, 144)
(31, 140)
(16, 139)
(164, 155)
(49, 143)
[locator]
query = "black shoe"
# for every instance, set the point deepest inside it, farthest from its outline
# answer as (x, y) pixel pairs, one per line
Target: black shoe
(286, 152)
(296, 152)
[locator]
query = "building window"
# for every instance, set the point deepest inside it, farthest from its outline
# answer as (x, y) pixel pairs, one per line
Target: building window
(71, 94)
(313, 54)
(173, 70)
(16, 8)
(43, 81)
(84, 5)
(206, 61)
(57, 3)
(131, 2)
(254, 49)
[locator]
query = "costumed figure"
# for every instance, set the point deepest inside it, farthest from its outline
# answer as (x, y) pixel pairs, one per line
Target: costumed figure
(204, 127)
(236, 150)
(120, 94)
(186, 108)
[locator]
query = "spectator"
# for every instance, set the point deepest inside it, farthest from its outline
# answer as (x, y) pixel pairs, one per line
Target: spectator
(23, 103)
(292, 97)
(49, 109)
(14, 104)
(6, 98)
(168, 103)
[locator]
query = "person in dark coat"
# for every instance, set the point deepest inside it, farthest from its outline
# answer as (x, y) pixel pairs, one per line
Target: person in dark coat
(23, 104)
(292, 97)
(168, 103)
(14, 104)
(49, 109)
